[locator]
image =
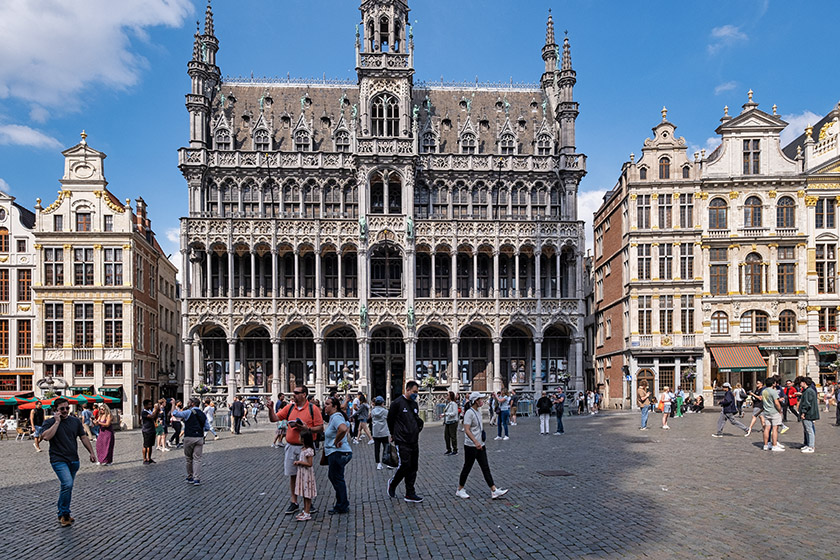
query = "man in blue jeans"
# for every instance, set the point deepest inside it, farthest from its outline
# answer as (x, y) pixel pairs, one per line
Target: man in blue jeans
(559, 408)
(61, 431)
(644, 402)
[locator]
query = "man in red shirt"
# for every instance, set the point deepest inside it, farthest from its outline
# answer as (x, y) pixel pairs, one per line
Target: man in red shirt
(300, 414)
(791, 400)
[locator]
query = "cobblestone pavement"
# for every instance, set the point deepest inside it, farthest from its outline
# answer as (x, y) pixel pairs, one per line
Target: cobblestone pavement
(631, 494)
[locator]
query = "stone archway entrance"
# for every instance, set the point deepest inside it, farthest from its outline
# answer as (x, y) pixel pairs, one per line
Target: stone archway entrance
(474, 356)
(387, 363)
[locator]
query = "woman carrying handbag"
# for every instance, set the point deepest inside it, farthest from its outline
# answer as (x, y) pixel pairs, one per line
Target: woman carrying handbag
(474, 449)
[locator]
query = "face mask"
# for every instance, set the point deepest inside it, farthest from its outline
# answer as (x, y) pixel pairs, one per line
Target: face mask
(414, 396)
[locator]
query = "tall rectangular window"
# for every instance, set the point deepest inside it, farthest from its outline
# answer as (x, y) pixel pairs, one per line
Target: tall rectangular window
(4, 337)
(58, 223)
(83, 267)
(751, 157)
(138, 273)
(643, 260)
(24, 327)
(83, 221)
(687, 314)
(828, 319)
(53, 266)
(21, 245)
(24, 285)
(645, 311)
(824, 213)
(786, 270)
(665, 203)
(666, 260)
(686, 211)
(687, 261)
(83, 325)
(4, 284)
(826, 268)
(113, 267)
(140, 326)
(109, 223)
(113, 370)
(643, 211)
(666, 314)
(718, 272)
(53, 325)
(113, 325)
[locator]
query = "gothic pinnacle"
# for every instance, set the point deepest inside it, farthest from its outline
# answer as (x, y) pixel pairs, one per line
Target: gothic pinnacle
(567, 55)
(197, 42)
(208, 20)
(549, 30)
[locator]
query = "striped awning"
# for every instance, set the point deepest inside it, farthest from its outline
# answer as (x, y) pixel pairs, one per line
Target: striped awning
(826, 348)
(733, 359)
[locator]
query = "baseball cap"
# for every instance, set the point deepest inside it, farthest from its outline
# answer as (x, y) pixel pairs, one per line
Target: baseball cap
(475, 395)
(378, 400)
(727, 385)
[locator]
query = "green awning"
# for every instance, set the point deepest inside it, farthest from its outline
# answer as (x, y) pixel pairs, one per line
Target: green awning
(81, 390)
(111, 391)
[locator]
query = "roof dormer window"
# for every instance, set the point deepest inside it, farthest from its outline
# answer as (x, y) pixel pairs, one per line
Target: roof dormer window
(223, 140)
(262, 141)
(507, 145)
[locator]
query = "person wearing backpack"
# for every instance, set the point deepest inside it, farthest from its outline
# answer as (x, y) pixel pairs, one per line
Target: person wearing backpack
(196, 424)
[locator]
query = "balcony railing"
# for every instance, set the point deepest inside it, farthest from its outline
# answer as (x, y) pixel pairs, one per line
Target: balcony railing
(718, 233)
(82, 354)
(24, 362)
(663, 341)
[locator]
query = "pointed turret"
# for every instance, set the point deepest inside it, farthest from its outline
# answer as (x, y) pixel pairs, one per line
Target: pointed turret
(208, 20)
(567, 109)
(205, 78)
(209, 40)
(197, 43)
(549, 55)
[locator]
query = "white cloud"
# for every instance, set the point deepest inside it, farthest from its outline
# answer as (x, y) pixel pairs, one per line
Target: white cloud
(54, 49)
(588, 203)
(4, 186)
(726, 86)
(725, 36)
(796, 125)
(174, 236)
(19, 135)
(39, 114)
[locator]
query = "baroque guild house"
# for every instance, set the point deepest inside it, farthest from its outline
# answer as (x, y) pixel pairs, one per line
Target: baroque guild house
(381, 229)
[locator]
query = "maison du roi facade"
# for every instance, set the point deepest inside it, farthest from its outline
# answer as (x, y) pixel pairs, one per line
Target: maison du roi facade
(104, 295)
(721, 267)
(383, 229)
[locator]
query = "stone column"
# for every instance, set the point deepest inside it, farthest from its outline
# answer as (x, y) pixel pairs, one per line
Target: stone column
(496, 273)
(410, 357)
(274, 283)
(578, 276)
(253, 273)
(453, 274)
(318, 283)
(558, 281)
(497, 363)
(364, 370)
(340, 258)
(320, 380)
(455, 380)
(434, 280)
(188, 368)
(579, 382)
(516, 288)
(538, 383)
(275, 367)
(185, 267)
(773, 266)
(538, 274)
(208, 291)
(284, 372)
(297, 272)
(231, 380)
(230, 274)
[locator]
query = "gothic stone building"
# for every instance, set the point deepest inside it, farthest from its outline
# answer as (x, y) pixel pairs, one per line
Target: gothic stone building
(381, 230)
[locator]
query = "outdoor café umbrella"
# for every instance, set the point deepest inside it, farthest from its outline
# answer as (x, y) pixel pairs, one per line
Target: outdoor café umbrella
(31, 405)
(14, 401)
(84, 399)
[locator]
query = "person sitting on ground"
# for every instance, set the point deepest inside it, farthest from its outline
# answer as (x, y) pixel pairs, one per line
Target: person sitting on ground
(698, 405)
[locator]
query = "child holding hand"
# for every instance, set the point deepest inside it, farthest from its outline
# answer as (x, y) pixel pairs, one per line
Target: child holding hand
(305, 482)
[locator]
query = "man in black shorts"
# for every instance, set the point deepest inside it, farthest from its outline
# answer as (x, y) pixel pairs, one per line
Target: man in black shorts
(147, 419)
(61, 431)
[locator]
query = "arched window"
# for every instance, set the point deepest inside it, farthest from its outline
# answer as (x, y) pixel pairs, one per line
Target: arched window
(544, 145)
(460, 201)
(718, 214)
(385, 115)
(468, 143)
(383, 34)
(332, 200)
(291, 200)
(686, 172)
(385, 193)
(386, 271)
(643, 173)
(212, 201)
(507, 145)
(787, 321)
(539, 201)
(422, 201)
(519, 201)
(785, 213)
(556, 205)
(754, 322)
(351, 200)
(664, 168)
(342, 141)
(312, 200)
(230, 199)
(752, 212)
(262, 141)
(479, 202)
(440, 202)
(223, 140)
(250, 199)
(429, 144)
(753, 268)
(720, 323)
(302, 142)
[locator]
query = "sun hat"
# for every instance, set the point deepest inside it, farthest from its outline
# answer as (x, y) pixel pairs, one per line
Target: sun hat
(475, 395)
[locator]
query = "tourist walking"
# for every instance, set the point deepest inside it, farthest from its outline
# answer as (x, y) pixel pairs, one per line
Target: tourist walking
(450, 425)
(379, 424)
(680, 398)
(405, 425)
(828, 394)
(494, 408)
(305, 479)
(514, 406)
(175, 422)
(503, 401)
(210, 412)
(727, 412)
(87, 421)
(338, 451)
(590, 402)
(544, 408)
(282, 425)
(362, 416)
(665, 401)
(757, 407)
(147, 421)
(36, 420)
(559, 408)
(809, 412)
(740, 396)
(791, 400)
(581, 402)
(237, 412)
(160, 426)
(643, 401)
(300, 414)
(61, 431)
(772, 410)
(474, 449)
(105, 441)
(196, 424)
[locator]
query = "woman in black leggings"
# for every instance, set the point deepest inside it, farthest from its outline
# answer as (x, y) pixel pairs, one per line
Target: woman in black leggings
(175, 439)
(474, 448)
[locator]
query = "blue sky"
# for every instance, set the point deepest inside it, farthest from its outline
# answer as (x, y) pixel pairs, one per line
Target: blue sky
(118, 70)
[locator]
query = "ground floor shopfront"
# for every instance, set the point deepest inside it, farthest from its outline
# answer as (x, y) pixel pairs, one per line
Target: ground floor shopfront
(745, 364)
(252, 362)
(672, 370)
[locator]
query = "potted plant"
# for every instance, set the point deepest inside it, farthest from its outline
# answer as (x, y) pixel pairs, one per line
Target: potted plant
(344, 385)
(201, 388)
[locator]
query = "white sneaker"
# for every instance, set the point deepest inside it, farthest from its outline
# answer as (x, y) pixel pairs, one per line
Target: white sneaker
(498, 493)
(807, 450)
(462, 494)
(379, 466)
(766, 447)
(777, 448)
(505, 437)
(370, 442)
(749, 431)
(498, 437)
(780, 445)
(356, 440)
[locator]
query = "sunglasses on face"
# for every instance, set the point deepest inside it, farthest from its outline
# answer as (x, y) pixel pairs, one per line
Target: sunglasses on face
(63, 408)
(298, 392)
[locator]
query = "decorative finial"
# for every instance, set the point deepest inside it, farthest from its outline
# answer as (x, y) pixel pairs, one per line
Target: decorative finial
(774, 110)
(726, 110)
(84, 137)
(664, 113)
(809, 130)
(208, 20)
(750, 94)
(549, 29)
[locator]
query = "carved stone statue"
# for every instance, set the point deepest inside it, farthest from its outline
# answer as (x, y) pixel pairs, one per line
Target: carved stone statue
(409, 227)
(362, 227)
(363, 317)
(410, 316)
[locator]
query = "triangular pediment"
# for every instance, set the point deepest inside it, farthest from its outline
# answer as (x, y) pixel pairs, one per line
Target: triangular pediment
(262, 124)
(507, 128)
(468, 127)
(544, 128)
(222, 122)
(302, 124)
(341, 124)
(751, 120)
